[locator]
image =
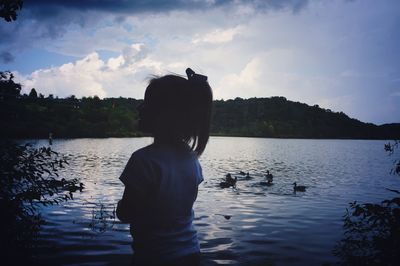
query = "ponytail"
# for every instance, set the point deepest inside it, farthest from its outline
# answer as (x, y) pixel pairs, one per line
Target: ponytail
(178, 109)
(202, 105)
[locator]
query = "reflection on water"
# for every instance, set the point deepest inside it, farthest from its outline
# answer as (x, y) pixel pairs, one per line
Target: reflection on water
(252, 224)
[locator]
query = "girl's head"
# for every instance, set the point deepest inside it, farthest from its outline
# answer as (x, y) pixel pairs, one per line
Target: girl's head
(177, 109)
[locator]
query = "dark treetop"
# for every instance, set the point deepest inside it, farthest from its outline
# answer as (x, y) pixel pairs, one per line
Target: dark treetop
(35, 116)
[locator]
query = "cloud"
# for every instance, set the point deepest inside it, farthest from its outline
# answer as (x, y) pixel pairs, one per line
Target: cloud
(218, 36)
(134, 53)
(128, 7)
(79, 78)
(79, 41)
(125, 74)
(50, 20)
(342, 56)
(31, 30)
(242, 84)
(6, 57)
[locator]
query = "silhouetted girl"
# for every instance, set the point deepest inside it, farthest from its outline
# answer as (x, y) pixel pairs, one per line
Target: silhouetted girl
(161, 180)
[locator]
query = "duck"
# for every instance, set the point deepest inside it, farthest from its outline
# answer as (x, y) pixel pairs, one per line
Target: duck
(269, 176)
(298, 188)
(227, 217)
(57, 183)
(74, 188)
(229, 181)
(224, 184)
(268, 183)
(248, 176)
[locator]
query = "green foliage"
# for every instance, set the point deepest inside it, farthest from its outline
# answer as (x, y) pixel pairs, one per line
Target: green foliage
(30, 117)
(278, 117)
(35, 116)
(8, 88)
(372, 231)
(70, 117)
(372, 234)
(33, 94)
(389, 147)
(28, 179)
(9, 8)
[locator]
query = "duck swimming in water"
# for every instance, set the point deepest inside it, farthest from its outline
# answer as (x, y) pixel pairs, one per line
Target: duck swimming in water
(248, 176)
(269, 179)
(269, 176)
(298, 188)
(229, 181)
(268, 183)
(57, 183)
(74, 188)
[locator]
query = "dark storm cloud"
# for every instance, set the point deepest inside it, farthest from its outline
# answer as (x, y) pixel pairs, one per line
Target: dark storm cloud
(51, 7)
(49, 19)
(41, 21)
(37, 23)
(6, 57)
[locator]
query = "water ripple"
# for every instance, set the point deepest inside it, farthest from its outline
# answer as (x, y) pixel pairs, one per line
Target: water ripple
(251, 224)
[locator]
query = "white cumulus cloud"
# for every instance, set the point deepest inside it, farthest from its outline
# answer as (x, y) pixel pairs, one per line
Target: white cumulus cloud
(121, 75)
(218, 36)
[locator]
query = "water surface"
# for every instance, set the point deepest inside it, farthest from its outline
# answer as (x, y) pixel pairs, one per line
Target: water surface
(268, 225)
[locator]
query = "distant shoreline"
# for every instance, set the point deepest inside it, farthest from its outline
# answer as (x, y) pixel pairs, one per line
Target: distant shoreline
(274, 117)
(222, 136)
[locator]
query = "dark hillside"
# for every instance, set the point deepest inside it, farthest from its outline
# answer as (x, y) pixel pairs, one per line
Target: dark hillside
(35, 116)
(278, 117)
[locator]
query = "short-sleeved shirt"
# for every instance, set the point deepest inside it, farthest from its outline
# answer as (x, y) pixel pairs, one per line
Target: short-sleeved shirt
(167, 178)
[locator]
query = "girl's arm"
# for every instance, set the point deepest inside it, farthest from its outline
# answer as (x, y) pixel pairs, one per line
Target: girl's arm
(138, 180)
(131, 205)
(123, 209)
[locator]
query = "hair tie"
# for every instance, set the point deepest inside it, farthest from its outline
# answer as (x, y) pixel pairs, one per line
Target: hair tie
(192, 76)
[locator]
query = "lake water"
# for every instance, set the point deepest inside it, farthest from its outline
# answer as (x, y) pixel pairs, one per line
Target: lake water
(268, 225)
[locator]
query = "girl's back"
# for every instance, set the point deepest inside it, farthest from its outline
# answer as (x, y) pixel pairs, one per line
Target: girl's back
(161, 180)
(168, 178)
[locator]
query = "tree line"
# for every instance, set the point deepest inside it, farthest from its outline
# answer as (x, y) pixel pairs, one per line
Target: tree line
(280, 118)
(35, 116)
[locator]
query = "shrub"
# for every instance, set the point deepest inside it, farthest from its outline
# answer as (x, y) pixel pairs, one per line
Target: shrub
(372, 231)
(28, 179)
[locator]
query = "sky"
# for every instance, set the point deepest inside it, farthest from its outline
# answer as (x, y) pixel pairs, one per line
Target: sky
(342, 55)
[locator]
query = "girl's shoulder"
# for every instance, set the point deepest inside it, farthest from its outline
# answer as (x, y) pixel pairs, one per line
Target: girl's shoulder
(162, 150)
(148, 152)
(141, 158)
(144, 151)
